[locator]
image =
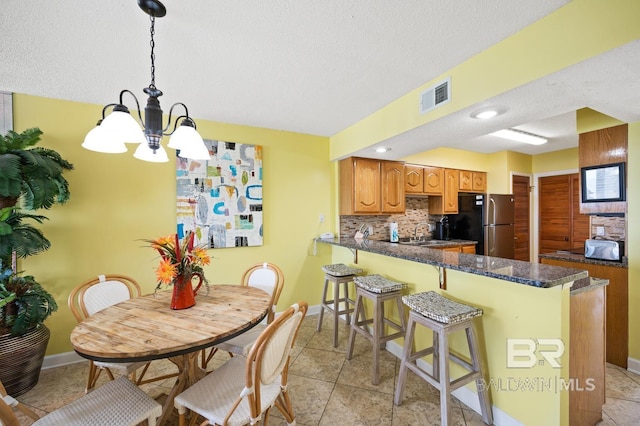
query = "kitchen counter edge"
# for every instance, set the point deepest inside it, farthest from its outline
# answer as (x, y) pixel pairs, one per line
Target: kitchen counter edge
(579, 258)
(520, 272)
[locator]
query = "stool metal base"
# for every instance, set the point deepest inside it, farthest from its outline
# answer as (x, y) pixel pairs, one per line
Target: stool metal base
(440, 378)
(378, 338)
(334, 305)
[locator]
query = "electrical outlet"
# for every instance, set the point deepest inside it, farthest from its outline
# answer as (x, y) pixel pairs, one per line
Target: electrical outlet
(370, 230)
(599, 231)
(321, 218)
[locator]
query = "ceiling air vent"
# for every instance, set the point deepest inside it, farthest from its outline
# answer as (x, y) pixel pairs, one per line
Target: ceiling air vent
(435, 96)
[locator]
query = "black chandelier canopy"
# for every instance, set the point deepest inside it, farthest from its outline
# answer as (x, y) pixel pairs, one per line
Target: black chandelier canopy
(119, 127)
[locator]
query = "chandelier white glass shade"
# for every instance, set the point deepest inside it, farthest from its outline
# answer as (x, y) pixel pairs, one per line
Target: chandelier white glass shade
(120, 127)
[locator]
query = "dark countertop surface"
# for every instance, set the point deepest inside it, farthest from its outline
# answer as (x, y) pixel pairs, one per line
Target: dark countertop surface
(587, 284)
(579, 258)
(533, 274)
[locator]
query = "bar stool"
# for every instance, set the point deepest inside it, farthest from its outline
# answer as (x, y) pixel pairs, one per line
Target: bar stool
(378, 289)
(443, 316)
(338, 274)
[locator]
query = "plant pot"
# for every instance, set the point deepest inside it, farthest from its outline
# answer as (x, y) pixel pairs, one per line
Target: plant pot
(21, 359)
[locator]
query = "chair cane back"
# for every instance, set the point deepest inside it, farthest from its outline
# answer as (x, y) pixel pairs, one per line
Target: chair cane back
(99, 293)
(224, 397)
(265, 276)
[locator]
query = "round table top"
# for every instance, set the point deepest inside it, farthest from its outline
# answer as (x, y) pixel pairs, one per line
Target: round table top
(146, 328)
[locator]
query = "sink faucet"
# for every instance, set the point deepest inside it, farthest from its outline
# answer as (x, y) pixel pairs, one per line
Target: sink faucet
(415, 231)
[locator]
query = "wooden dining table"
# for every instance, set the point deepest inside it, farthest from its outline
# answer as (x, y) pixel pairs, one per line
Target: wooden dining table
(146, 329)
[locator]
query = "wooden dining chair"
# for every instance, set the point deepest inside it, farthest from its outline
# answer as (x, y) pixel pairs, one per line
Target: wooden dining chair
(118, 402)
(265, 276)
(94, 295)
(243, 390)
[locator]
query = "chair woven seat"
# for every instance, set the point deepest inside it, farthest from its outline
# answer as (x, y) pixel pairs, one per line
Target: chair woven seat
(378, 284)
(340, 270)
(118, 403)
(439, 308)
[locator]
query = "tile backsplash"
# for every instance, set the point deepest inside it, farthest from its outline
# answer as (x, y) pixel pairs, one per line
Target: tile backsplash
(416, 212)
(615, 228)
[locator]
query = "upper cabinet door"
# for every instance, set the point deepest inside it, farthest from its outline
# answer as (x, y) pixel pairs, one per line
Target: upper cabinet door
(433, 180)
(413, 183)
(465, 180)
(392, 186)
(450, 191)
(367, 185)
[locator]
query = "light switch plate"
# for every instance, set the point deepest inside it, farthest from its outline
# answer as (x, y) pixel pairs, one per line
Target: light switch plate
(599, 231)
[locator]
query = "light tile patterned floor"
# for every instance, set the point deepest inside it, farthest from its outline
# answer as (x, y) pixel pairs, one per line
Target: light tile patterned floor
(329, 390)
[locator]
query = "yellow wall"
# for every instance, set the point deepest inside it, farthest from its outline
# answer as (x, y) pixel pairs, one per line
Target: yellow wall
(117, 200)
(510, 311)
(588, 120)
(573, 33)
(566, 159)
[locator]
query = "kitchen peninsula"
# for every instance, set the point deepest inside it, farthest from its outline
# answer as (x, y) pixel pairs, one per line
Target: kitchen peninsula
(520, 300)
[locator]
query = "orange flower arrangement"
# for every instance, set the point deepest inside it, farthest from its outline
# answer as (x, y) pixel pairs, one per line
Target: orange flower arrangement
(178, 258)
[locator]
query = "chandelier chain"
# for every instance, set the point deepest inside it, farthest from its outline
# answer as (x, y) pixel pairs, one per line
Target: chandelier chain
(153, 55)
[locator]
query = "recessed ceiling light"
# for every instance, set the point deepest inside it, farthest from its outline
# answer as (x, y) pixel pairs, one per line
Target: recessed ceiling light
(520, 136)
(382, 149)
(486, 113)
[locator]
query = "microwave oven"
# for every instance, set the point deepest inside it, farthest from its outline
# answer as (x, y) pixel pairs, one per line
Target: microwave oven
(604, 250)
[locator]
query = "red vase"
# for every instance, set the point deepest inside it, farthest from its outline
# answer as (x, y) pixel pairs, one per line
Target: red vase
(184, 295)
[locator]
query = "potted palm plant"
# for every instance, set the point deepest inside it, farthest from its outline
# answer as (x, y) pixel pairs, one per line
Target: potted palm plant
(31, 178)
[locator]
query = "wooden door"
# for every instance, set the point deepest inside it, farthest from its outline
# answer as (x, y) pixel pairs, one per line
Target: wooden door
(580, 222)
(555, 214)
(366, 186)
(562, 227)
(522, 200)
(392, 187)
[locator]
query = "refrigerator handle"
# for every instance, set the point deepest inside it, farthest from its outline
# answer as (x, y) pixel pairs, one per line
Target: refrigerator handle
(492, 210)
(492, 237)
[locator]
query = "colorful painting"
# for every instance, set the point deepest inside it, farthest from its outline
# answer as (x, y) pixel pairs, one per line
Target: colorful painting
(221, 199)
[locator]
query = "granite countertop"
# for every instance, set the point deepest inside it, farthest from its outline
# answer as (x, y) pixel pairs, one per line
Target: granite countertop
(587, 284)
(579, 258)
(533, 274)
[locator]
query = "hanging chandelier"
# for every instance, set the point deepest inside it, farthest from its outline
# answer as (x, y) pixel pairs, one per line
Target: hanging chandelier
(119, 127)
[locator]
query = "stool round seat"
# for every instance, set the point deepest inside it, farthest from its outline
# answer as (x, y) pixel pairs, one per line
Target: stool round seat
(378, 284)
(439, 308)
(378, 290)
(340, 270)
(338, 274)
(443, 316)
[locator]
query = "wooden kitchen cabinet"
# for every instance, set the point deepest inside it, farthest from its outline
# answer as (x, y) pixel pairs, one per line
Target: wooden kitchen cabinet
(423, 180)
(448, 202)
(413, 179)
(392, 187)
(470, 181)
(468, 249)
(369, 186)
(617, 309)
(433, 180)
(599, 147)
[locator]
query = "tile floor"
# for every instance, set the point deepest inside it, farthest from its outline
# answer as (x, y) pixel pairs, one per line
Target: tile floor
(327, 389)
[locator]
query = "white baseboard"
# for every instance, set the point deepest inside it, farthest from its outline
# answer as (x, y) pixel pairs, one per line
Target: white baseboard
(59, 360)
(633, 365)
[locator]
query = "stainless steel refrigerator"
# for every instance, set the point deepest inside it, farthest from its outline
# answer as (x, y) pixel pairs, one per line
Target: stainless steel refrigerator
(487, 219)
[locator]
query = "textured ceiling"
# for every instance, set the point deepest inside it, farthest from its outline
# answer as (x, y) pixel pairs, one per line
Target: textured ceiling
(296, 65)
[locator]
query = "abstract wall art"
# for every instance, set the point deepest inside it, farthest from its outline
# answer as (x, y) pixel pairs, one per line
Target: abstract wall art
(221, 199)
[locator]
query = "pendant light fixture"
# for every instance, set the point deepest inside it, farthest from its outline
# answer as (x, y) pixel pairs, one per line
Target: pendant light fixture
(119, 127)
